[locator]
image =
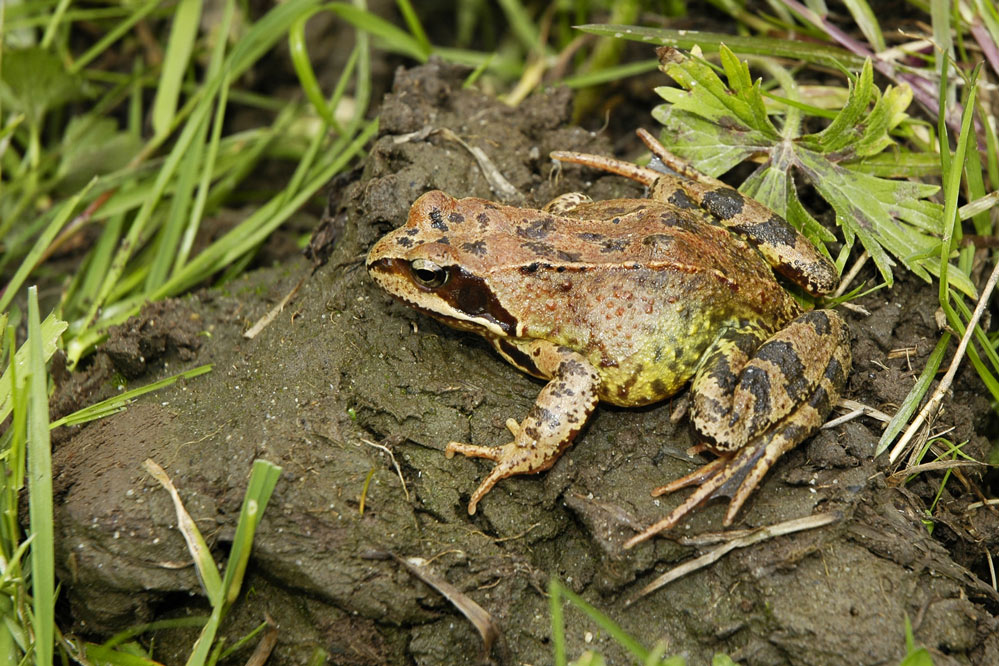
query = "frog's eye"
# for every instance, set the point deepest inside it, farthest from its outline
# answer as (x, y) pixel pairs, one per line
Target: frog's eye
(428, 274)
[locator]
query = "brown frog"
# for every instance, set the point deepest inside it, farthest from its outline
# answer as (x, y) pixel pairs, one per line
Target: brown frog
(626, 301)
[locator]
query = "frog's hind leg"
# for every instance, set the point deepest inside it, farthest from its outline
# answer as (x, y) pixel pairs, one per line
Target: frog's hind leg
(757, 404)
(784, 247)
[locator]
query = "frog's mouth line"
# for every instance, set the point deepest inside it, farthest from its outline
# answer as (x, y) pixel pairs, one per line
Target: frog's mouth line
(466, 302)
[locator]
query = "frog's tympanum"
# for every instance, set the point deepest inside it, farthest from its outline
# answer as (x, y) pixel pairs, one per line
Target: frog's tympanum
(627, 301)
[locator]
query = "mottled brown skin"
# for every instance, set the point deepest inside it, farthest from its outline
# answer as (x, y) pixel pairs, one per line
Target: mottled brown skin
(626, 301)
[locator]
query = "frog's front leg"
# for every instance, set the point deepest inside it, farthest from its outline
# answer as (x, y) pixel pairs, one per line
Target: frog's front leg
(559, 413)
(754, 402)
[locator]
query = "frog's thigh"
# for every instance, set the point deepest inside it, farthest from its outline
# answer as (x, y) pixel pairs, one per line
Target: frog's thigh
(558, 414)
(564, 203)
(796, 374)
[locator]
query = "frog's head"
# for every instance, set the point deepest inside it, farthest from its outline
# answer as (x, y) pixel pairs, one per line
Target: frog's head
(420, 265)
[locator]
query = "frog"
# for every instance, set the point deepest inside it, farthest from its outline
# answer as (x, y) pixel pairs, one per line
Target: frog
(628, 301)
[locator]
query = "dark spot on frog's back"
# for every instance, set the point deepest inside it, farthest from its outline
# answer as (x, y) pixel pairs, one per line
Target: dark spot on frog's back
(614, 245)
(536, 229)
(478, 248)
(412, 231)
(658, 387)
(573, 257)
(437, 220)
(539, 248)
(678, 219)
(404, 241)
(724, 203)
(590, 237)
(482, 219)
(658, 242)
(456, 218)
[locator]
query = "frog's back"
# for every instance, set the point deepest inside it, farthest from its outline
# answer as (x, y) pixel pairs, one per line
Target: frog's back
(639, 287)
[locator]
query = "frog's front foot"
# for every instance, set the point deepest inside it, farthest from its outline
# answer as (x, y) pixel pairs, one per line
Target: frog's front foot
(510, 460)
(560, 411)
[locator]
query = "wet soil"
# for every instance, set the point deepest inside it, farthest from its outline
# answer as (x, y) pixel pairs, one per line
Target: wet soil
(344, 366)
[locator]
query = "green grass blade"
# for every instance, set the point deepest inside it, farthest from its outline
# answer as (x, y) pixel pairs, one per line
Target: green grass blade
(414, 25)
(114, 35)
(40, 490)
(952, 171)
(156, 625)
(522, 25)
(183, 30)
(637, 650)
(49, 333)
(307, 80)
(911, 402)
(119, 402)
(59, 220)
(251, 231)
(172, 231)
(205, 182)
(615, 73)
(263, 478)
(393, 38)
(710, 42)
(558, 620)
(867, 22)
(149, 205)
(262, 481)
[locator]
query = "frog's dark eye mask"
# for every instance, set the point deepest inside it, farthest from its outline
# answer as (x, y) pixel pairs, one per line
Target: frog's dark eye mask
(461, 300)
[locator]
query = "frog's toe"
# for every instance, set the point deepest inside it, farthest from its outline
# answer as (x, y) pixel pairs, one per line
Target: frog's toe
(511, 460)
(735, 475)
(695, 478)
(494, 453)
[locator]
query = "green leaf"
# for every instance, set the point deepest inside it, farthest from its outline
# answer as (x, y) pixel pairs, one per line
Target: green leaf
(706, 89)
(798, 51)
(183, 30)
(843, 129)
(93, 146)
(716, 126)
(34, 81)
(712, 148)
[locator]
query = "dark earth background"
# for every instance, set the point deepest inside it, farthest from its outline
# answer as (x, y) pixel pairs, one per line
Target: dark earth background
(344, 363)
